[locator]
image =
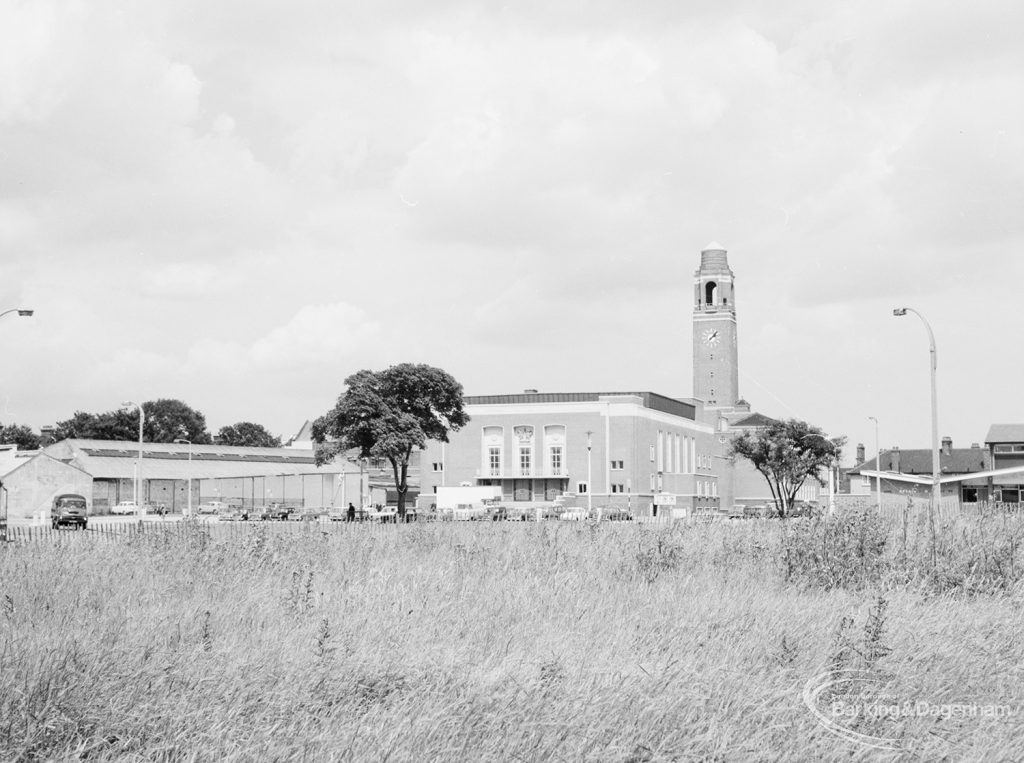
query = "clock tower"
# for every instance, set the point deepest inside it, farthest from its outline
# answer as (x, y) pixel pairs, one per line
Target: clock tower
(715, 358)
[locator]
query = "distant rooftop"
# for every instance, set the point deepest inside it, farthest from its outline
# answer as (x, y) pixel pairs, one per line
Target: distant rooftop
(1000, 433)
(919, 461)
(651, 400)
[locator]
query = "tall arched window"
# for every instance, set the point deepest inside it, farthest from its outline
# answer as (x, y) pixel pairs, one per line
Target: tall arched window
(554, 449)
(711, 293)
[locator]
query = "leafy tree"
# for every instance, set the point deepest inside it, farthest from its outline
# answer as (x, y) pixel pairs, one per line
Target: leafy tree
(388, 414)
(787, 453)
(247, 433)
(20, 435)
(167, 420)
(112, 425)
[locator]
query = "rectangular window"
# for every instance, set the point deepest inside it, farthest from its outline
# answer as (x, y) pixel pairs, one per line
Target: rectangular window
(618, 465)
(714, 490)
(693, 455)
(438, 467)
(686, 455)
(652, 453)
(618, 488)
(525, 461)
(661, 451)
(494, 461)
(556, 459)
(668, 452)
(654, 482)
(581, 487)
(679, 466)
(435, 489)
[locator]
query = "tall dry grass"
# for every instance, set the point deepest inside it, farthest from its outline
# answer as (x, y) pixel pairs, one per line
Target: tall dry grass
(557, 641)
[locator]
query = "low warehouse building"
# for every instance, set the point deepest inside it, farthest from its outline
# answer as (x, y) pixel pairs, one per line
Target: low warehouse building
(245, 476)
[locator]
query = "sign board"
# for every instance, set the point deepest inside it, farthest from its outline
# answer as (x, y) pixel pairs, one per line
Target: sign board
(664, 499)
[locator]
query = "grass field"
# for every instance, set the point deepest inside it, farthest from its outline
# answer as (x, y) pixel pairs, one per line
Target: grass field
(508, 641)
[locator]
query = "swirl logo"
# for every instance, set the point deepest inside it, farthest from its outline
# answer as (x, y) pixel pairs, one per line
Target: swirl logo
(841, 698)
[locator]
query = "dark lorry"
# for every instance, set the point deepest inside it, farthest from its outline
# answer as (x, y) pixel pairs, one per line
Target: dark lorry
(69, 509)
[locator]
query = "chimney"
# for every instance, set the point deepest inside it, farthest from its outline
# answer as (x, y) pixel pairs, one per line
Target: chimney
(894, 459)
(860, 453)
(47, 435)
(947, 446)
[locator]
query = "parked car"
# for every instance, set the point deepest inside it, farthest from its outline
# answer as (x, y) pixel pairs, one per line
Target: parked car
(384, 514)
(125, 507)
(279, 512)
(575, 514)
(609, 514)
(234, 514)
(515, 513)
(69, 509)
(466, 512)
(498, 513)
(212, 507)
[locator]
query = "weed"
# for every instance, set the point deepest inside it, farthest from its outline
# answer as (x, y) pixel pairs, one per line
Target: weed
(663, 557)
(206, 632)
(787, 651)
(873, 646)
(324, 649)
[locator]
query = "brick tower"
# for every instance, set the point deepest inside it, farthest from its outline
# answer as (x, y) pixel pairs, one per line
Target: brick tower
(715, 356)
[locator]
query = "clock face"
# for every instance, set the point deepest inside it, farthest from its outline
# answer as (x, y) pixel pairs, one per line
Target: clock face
(712, 337)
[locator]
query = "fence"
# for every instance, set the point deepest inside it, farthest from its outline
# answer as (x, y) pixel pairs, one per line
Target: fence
(902, 507)
(119, 531)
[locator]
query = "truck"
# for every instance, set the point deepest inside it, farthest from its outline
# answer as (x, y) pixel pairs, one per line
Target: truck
(69, 509)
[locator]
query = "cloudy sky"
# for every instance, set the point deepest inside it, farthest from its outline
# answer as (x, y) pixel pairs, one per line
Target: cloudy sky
(239, 204)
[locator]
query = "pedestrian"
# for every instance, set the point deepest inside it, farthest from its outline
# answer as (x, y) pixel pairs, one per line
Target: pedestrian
(351, 512)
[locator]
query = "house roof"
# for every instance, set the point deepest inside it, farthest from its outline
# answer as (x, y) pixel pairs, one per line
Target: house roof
(115, 459)
(753, 420)
(305, 433)
(958, 461)
(7, 468)
(999, 433)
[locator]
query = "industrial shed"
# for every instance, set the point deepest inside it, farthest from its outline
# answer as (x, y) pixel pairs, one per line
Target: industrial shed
(243, 475)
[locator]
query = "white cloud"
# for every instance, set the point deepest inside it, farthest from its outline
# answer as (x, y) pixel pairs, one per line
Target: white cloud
(220, 195)
(317, 335)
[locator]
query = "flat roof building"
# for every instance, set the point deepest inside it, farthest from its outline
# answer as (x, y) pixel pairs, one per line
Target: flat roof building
(637, 450)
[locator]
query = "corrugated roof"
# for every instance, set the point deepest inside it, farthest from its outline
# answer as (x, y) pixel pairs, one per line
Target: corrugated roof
(960, 461)
(105, 459)
(998, 433)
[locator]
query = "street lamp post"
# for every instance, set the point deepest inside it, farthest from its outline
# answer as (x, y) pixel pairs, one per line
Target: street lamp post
(878, 466)
(590, 485)
(936, 471)
(138, 466)
(19, 310)
(182, 440)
